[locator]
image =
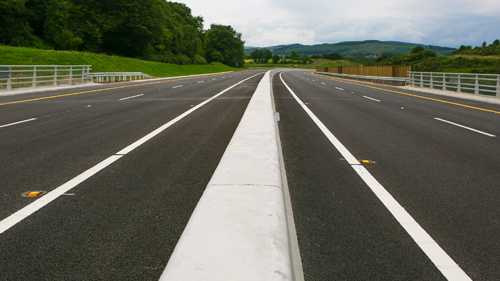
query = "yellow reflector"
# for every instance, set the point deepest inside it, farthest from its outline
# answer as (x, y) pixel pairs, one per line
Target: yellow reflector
(33, 193)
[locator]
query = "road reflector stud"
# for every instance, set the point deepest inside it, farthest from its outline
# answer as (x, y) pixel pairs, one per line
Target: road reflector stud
(367, 162)
(33, 193)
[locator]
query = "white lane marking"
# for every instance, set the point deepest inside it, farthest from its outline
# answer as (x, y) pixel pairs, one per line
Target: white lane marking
(175, 87)
(323, 83)
(371, 99)
(465, 127)
(162, 128)
(18, 216)
(339, 88)
(347, 155)
(131, 97)
(436, 254)
(20, 122)
(200, 82)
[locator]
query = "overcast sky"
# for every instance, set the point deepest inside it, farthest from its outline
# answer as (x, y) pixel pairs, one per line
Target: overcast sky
(449, 23)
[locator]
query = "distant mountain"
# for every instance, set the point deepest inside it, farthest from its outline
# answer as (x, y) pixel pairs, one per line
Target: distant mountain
(368, 48)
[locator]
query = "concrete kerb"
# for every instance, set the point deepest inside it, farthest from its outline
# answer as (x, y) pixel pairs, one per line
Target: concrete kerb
(239, 229)
(297, 269)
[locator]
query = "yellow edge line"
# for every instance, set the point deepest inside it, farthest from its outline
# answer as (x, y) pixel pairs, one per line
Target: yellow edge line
(107, 89)
(412, 95)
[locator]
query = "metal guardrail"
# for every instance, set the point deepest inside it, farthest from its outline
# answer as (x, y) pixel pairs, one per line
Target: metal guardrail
(374, 79)
(479, 84)
(18, 76)
(101, 77)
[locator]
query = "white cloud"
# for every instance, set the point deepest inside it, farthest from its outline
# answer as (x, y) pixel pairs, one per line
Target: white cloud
(437, 22)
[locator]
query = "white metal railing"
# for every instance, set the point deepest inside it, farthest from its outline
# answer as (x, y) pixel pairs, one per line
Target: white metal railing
(479, 84)
(18, 76)
(101, 77)
(373, 79)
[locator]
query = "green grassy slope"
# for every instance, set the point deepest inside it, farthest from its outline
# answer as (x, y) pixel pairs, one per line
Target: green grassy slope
(322, 63)
(102, 63)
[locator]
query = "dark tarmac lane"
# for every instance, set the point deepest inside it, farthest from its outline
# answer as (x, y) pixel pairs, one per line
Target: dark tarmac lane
(124, 222)
(445, 176)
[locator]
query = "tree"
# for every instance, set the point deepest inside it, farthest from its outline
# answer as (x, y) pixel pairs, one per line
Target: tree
(267, 56)
(225, 40)
(332, 56)
(14, 30)
(255, 55)
(216, 56)
(276, 59)
(417, 50)
(294, 55)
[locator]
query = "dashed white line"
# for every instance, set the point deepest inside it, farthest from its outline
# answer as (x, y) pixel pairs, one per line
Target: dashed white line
(131, 97)
(23, 213)
(175, 87)
(200, 82)
(323, 83)
(371, 99)
(465, 127)
(339, 88)
(20, 122)
(436, 254)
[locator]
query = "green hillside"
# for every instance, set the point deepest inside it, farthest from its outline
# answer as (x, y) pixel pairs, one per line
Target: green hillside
(354, 49)
(102, 63)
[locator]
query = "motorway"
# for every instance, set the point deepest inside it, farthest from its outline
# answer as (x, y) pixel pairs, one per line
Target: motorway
(439, 158)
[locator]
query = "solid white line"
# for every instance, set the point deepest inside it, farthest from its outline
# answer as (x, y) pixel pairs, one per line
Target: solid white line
(436, 254)
(347, 155)
(465, 127)
(131, 97)
(164, 127)
(175, 87)
(15, 123)
(371, 99)
(18, 216)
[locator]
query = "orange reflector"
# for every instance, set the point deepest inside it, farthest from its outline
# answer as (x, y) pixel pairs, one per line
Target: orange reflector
(33, 193)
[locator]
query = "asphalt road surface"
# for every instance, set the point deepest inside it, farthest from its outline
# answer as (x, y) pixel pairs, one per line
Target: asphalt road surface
(124, 222)
(446, 177)
(439, 157)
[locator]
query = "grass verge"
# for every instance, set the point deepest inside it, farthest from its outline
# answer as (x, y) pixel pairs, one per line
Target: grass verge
(102, 63)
